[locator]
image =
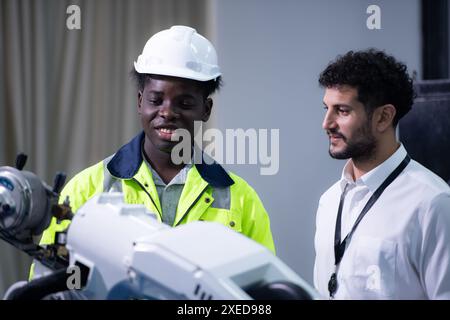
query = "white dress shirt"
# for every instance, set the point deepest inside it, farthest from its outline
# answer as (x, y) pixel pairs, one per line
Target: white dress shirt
(400, 249)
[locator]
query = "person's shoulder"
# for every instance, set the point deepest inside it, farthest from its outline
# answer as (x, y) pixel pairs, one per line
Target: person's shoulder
(430, 193)
(239, 182)
(84, 185)
(331, 191)
(93, 172)
(242, 188)
(427, 182)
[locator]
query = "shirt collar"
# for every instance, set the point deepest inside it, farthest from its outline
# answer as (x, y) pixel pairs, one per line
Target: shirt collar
(127, 160)
(180, 178)
(375, 177)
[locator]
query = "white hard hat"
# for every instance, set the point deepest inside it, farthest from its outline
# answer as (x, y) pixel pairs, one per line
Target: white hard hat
(179, 52)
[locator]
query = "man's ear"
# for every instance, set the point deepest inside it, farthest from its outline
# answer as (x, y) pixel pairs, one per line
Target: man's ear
(208, 107)
(139, 101)
(384, 117)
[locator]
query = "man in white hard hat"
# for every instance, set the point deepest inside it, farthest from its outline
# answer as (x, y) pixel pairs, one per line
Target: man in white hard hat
(175, 74)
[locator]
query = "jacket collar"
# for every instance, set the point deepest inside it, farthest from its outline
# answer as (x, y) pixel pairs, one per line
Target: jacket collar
(127, 160)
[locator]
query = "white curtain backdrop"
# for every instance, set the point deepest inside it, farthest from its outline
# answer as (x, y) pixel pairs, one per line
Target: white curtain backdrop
(66, 98)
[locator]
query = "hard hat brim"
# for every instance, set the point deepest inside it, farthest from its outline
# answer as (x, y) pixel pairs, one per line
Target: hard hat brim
(176, 72)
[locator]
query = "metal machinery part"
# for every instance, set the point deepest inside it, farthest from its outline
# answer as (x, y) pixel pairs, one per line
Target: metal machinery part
(121, 251)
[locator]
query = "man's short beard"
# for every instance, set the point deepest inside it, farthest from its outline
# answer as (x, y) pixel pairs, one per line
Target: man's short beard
(362, 149)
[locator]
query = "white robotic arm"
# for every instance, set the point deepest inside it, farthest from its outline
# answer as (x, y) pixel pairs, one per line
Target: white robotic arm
(121, 251)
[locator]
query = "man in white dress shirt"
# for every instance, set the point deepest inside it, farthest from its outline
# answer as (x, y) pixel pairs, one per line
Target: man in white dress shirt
(383, 229)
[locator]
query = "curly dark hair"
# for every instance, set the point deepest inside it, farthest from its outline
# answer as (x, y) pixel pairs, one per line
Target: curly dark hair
(208, 87)
(379, 78)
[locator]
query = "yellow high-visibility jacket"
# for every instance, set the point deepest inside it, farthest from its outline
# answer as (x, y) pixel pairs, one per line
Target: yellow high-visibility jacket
(127, 172)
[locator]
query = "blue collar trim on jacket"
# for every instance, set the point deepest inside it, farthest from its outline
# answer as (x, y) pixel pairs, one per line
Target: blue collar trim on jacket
(127, 160)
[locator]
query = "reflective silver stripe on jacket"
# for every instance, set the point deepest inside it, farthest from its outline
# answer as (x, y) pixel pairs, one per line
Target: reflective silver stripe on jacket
(222, 196)
(110, 183)
(222, 199)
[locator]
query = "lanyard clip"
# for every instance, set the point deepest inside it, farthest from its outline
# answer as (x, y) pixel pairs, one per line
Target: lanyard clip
(332, 285)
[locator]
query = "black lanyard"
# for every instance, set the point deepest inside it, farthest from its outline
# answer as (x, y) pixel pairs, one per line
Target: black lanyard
(339, 247)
